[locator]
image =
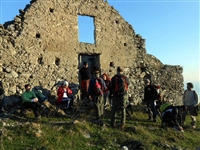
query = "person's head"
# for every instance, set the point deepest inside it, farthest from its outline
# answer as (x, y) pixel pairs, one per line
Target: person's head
(141, 64)
(27, 87)
(119, 70)
(189, 86)
(96, 73)
(148, 82)
(65, 84)
(85, 64)
(105, 76)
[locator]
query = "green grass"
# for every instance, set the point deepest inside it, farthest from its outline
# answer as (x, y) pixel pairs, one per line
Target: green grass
(138, 134)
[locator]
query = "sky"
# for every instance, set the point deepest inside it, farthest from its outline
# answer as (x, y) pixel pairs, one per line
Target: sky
(170, 27)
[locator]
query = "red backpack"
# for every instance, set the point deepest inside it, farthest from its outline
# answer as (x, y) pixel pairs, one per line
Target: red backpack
(121, 86)
(157, 88)
(98, 87)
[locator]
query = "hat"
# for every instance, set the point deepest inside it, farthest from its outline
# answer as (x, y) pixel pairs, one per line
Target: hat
(119, 69)
(27, 85)
(96, 71)
(65, 83)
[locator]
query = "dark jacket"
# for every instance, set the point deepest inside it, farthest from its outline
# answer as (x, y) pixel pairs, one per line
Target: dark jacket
(150, 93)
(85, 73)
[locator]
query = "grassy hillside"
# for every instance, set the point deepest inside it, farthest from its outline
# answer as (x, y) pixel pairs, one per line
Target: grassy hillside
(80, 134)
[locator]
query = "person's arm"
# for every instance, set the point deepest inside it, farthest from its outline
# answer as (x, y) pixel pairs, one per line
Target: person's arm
(103, 84)
(69, 92)
(109, 85)
(184, 97)
(60, 92)
(81, 74)
(145, 95)
(127, 81)
(26, 98)
(112, 87)
(196, 98)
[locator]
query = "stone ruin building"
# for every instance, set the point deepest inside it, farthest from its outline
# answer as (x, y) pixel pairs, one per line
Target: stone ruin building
(41, 46)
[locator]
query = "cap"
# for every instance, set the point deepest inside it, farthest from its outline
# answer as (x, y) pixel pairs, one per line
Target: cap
(119, 69)
(96, 71)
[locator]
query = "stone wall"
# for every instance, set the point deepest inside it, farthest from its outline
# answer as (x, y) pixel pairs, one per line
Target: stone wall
(40, 46)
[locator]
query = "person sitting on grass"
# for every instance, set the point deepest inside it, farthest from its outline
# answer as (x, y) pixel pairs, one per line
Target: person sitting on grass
(64, 94)
(29, 100)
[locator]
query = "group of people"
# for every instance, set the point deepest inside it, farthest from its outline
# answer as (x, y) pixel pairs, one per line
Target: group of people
(104, 92)
(34, 99)
(113, 92)
(173, 116)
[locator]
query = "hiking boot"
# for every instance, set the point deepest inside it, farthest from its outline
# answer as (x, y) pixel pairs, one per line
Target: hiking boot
(193, 123)
(100, 122)
(154, 120)
(113, 125)
(164, 125)
(194, 127)
(38, 118)
(149, 119)
(178, 128)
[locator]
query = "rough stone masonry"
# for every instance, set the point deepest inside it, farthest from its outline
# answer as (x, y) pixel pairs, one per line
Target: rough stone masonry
(41, 47)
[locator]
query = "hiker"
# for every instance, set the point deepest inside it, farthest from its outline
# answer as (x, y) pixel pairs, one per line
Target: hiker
(95, 92)
(190, 101)
(86, 75)
(29, 100)
(118, 90)
(107, 100)
(170, 117)
(64, 94)
(150, 96)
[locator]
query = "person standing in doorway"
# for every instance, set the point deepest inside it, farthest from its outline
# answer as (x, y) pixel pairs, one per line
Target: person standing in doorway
(86, 75)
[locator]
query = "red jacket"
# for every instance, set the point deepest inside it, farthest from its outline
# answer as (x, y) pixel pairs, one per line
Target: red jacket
(60, 93)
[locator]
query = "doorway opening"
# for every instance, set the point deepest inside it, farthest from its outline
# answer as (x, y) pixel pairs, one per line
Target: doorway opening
(93, 61)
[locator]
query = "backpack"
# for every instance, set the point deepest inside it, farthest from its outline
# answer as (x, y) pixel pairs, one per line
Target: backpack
(157, 88)
(98, 87)
(121, 86)
(164, 106)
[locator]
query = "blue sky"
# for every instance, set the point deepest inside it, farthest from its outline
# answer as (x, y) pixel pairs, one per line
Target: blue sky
(171, 29)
